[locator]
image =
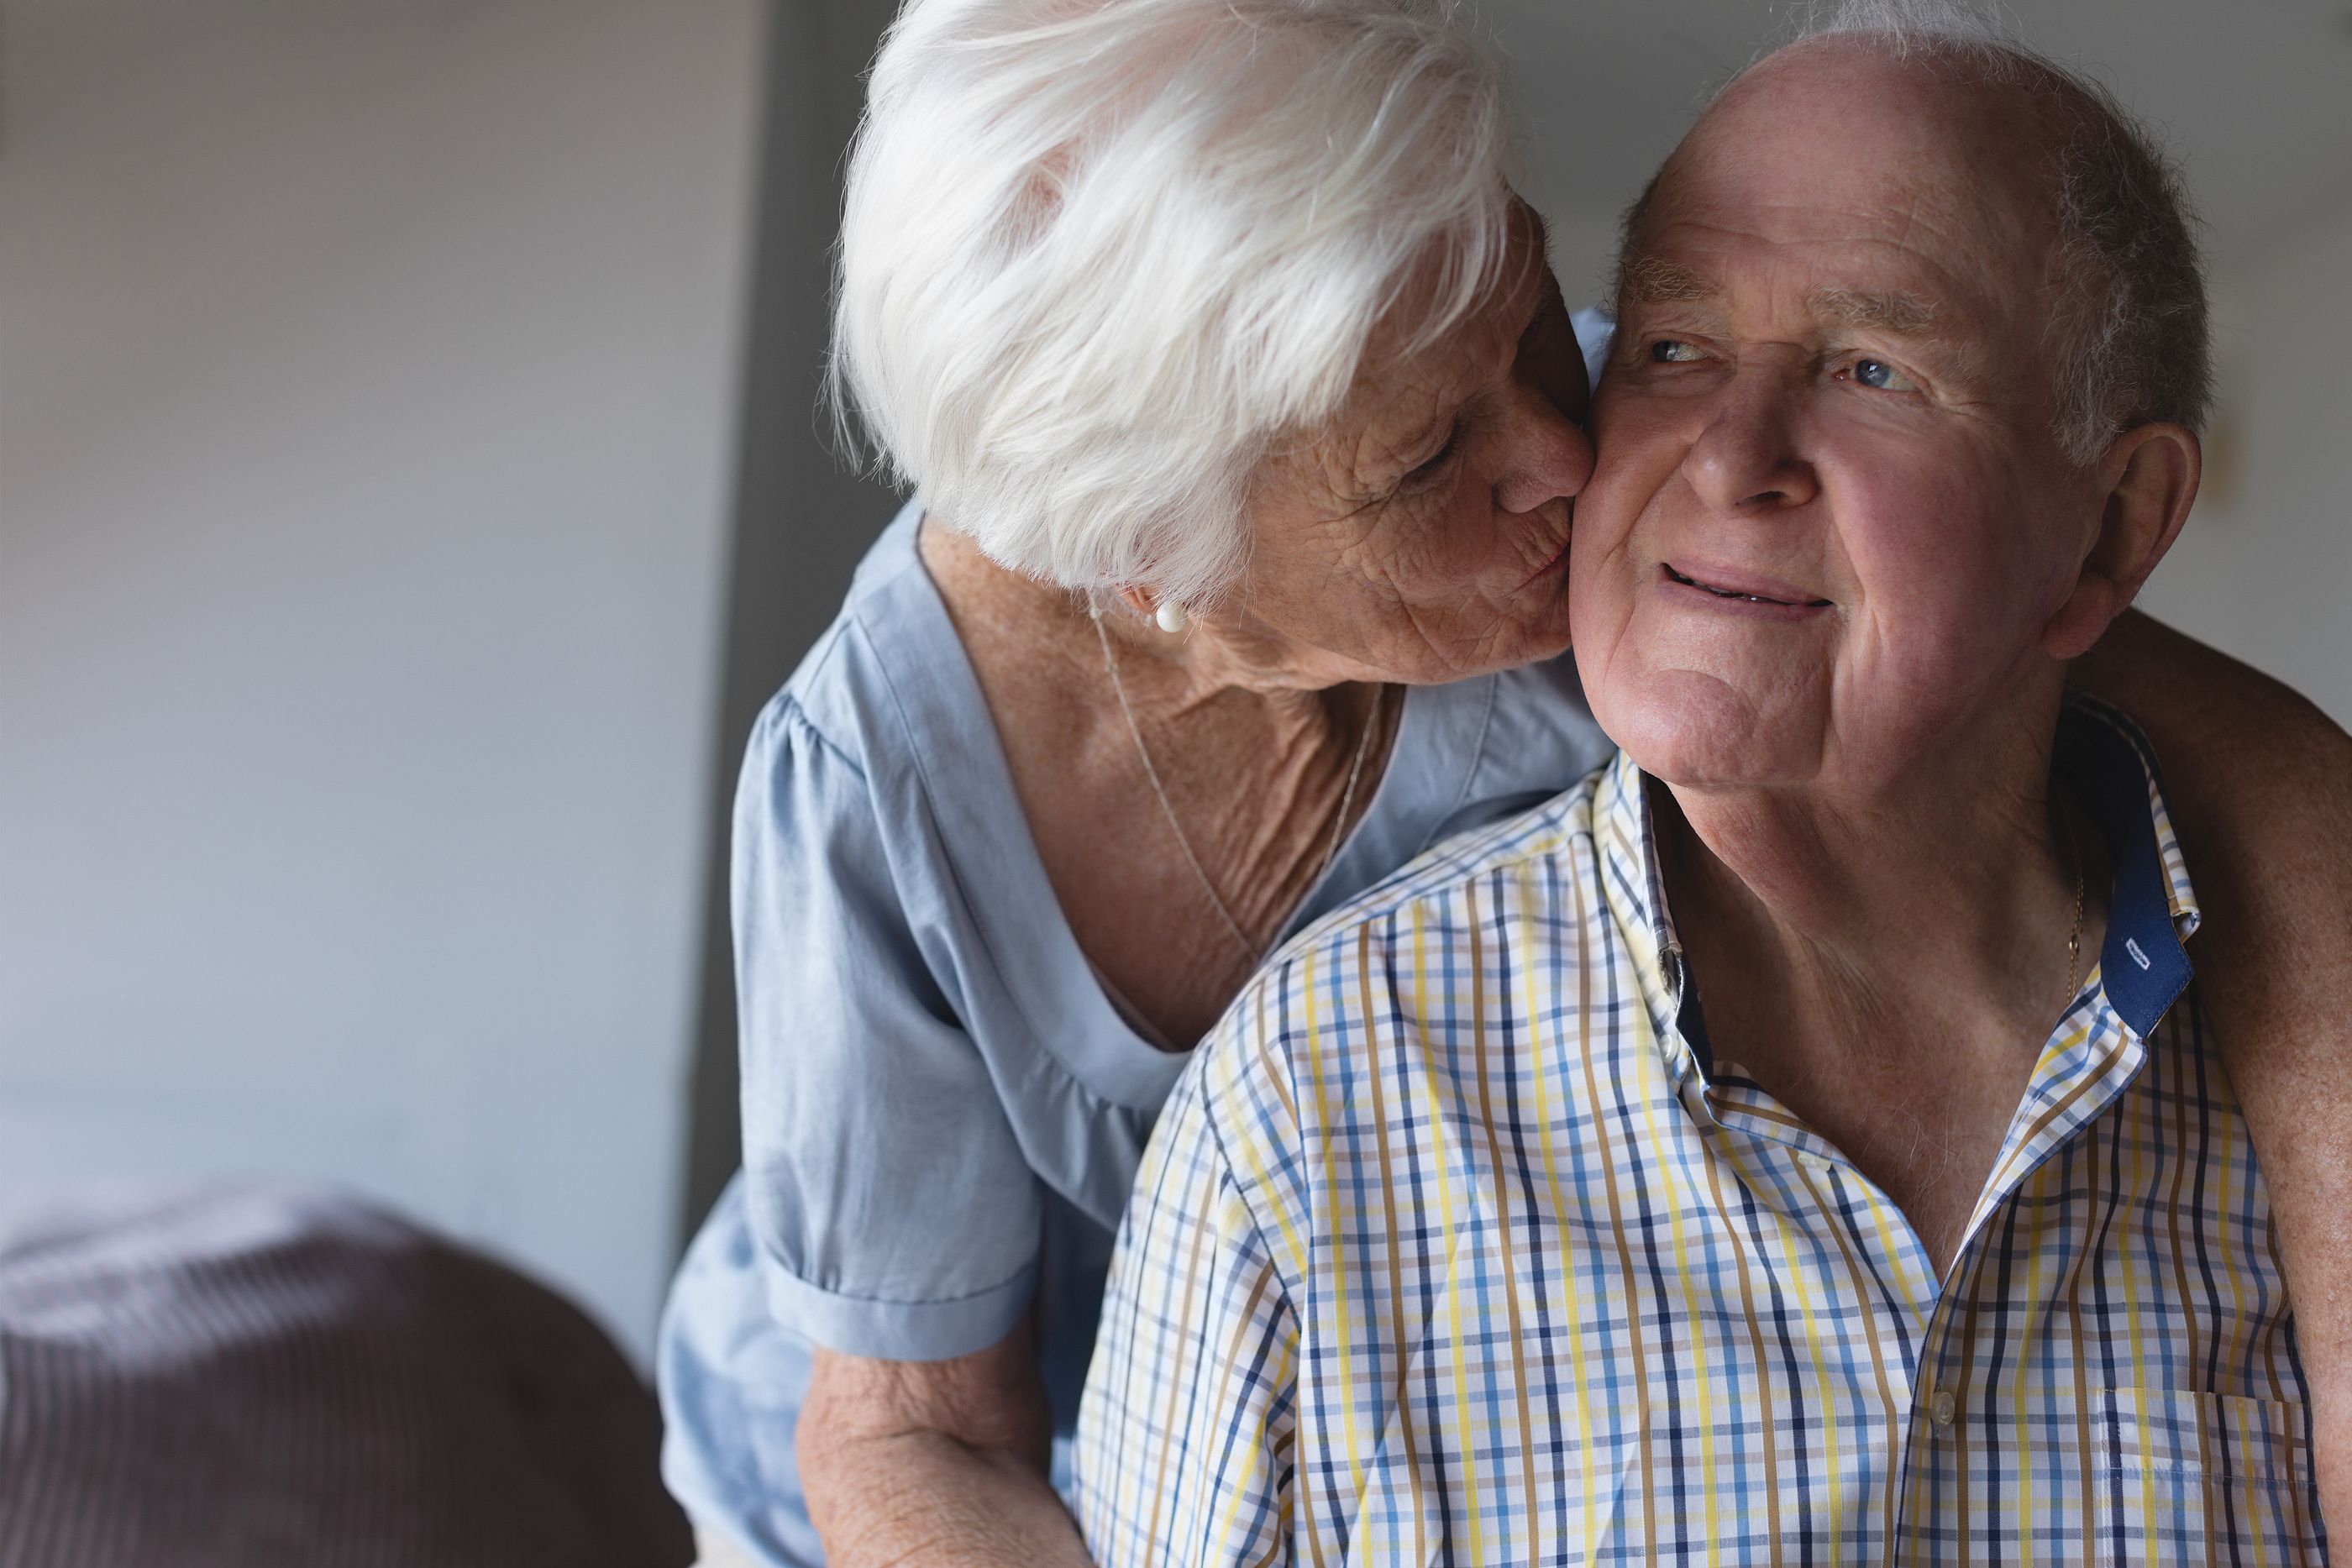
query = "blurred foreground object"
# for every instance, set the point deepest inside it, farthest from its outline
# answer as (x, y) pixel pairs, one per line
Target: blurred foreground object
(252, 1376)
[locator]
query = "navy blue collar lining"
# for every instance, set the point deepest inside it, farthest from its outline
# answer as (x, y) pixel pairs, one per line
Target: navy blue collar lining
(2104, 759)
(1691, 1019)
(2107, 762)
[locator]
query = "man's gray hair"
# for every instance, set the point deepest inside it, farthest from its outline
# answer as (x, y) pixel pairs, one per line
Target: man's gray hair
(1099, 257)
(2134, 342)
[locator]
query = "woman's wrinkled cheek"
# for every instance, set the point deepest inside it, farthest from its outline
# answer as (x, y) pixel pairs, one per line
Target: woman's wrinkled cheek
(1417, 553)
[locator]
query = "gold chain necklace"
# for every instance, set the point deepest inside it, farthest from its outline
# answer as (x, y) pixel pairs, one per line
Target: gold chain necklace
(2074, 937)
(1338, 826)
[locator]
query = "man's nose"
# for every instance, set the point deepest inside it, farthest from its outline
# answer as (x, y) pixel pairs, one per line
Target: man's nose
(1550, 457)
(1747, 459)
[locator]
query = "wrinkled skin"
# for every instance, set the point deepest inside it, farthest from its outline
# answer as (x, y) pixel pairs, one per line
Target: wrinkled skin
(1421, 536)
(1778, 418)
(1831, 388)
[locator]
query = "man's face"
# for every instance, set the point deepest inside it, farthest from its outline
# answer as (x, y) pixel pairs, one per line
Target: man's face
(1831, 517)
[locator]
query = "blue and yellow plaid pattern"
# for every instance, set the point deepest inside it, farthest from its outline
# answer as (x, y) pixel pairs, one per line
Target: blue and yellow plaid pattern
(1455, 1246)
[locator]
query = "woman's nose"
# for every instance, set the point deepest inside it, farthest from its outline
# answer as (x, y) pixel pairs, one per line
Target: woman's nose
(1746, 458)
(1550, 457)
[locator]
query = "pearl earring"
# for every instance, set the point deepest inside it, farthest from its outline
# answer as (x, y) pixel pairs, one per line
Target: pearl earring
(1171, 616)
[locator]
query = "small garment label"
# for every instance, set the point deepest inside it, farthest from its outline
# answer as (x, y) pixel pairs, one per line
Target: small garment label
(2132, 947)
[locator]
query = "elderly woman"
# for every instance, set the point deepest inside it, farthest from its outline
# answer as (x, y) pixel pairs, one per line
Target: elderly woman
(1245, 421)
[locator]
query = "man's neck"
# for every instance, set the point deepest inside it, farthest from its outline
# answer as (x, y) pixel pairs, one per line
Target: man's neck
(1888, 965)
(1950, 875)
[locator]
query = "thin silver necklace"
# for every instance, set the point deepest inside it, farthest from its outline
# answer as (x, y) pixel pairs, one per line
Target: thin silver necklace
(1135, 731)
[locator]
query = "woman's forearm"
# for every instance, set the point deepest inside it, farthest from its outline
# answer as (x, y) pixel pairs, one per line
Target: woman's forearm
(934, 1464)
(2261, 783)
(926, 1500)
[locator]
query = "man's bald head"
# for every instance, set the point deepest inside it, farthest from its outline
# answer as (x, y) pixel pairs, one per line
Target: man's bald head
(2049, 158)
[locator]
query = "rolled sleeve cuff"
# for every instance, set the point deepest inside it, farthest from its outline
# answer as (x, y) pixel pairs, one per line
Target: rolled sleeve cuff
(900, 1330)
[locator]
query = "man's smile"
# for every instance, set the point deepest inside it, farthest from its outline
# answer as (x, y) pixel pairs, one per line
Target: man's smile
(1730, 588)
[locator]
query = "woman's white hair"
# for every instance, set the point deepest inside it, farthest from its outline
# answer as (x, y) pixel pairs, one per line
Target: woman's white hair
(1099, 257)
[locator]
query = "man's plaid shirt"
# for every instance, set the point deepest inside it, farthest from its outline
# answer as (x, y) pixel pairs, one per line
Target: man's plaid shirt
(1455, 1246)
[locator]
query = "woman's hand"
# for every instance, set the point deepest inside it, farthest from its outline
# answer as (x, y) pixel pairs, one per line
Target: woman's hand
(935, 1464)
(2261, 783)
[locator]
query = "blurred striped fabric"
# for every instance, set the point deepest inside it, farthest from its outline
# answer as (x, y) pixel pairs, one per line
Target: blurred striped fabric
(254, 1376)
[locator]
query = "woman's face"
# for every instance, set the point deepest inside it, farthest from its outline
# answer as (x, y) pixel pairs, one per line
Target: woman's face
(1423, 536)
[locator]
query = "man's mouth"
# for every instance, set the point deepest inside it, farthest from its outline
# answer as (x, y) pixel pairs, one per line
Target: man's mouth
(1739, 587)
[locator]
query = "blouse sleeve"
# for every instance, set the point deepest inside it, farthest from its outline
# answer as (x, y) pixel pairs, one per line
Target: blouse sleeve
(893, 1211)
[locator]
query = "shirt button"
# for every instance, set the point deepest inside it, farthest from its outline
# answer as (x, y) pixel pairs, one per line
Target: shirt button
(1940, 1408)
(1813, 1162)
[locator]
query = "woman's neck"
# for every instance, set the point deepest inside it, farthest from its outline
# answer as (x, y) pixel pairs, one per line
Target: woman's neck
(1187, 673)
(1228, 763)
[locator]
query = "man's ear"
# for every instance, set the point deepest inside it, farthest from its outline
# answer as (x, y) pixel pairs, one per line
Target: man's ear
(2148, 482)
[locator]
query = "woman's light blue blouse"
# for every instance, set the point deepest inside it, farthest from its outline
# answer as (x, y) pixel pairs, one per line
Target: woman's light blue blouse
(942, 1111)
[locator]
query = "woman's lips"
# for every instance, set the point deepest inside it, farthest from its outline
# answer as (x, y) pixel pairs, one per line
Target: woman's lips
(1702, 582)
(1557, 562)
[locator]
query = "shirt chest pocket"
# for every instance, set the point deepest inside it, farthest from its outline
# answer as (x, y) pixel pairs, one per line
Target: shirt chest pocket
(2176, 1476)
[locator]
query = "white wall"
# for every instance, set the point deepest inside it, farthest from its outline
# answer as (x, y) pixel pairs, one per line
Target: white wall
(2265, 567)
(367, 382)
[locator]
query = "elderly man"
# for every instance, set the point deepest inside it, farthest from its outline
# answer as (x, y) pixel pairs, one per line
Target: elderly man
(1798, 1142)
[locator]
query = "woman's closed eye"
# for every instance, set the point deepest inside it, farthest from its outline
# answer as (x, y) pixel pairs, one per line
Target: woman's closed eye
(1429, 467)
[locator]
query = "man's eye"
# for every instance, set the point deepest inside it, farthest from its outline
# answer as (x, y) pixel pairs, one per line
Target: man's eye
(1884, 377)
(1671, 351)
